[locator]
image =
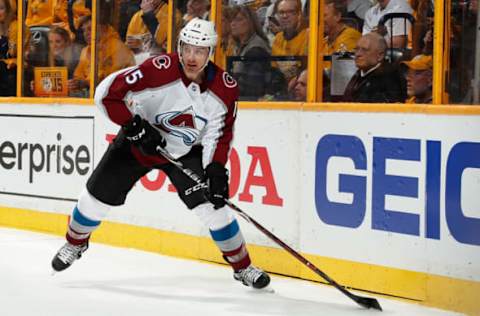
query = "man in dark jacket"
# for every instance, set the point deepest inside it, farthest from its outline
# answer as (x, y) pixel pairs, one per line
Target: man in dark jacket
(375, 80)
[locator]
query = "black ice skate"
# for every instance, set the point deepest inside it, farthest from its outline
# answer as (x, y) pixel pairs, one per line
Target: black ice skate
(253, 277)
(67, 255)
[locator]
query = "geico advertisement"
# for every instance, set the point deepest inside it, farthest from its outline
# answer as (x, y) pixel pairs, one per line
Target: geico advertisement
(45, 156)
(264, 180)
(396, 190)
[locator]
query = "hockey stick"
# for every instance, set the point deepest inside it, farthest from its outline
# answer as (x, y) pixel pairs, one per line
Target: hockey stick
(366, 302)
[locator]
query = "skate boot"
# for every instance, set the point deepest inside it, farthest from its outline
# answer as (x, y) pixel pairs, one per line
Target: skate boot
(253, 277)
(67, 255)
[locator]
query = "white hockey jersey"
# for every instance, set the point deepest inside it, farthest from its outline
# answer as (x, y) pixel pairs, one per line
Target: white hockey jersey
(185, 113)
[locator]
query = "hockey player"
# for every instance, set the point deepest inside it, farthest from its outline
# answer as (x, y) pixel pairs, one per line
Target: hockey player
(187, 105)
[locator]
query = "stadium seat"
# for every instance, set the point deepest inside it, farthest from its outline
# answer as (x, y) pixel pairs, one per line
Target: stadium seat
(396, 55)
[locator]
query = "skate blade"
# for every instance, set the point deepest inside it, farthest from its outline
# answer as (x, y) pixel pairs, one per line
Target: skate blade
(267, 289)
(53, 272)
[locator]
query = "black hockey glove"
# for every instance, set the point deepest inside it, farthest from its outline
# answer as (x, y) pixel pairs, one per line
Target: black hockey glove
(217, 182)
(143, 135)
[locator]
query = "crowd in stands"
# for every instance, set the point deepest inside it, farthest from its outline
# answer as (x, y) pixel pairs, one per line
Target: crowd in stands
(264, 46)
(248, 40)
(58, 37)
(269, 57)
(383, 47)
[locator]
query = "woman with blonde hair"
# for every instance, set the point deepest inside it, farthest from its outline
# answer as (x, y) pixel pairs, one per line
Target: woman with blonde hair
(8, 49)
(61, 50)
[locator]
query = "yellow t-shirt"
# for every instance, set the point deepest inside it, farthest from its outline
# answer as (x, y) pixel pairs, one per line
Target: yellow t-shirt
(79, 10)
(82, 71)
(60, 12)
(137, 27)
(296, 46)
(112, 55)
(40, 12)
(346, 40)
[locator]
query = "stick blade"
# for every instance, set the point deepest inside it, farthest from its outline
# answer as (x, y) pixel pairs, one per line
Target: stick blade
(368, 302)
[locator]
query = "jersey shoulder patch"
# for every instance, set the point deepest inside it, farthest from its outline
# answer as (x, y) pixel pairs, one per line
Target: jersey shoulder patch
(224, 86)
(161, 69)
(228, 80)
(162, 62)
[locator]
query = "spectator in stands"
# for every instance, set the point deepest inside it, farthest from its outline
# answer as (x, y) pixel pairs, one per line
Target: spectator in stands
(40, 12)
(259, 7)
(197, 9)
(428, 43)
(49, 47)
(271, 26)
(79, 85)
(8, 44)
(112, 55)
(338, 36)
(423, 13)
(292, 40)
(397, 36)
(151, 22)
(76, 10)
(127, 10)
(62, 53)
(250, 42)
(375, 81)
(60, 14)
(419, 79)
(225, 44)
(356, 9)
(298, 86)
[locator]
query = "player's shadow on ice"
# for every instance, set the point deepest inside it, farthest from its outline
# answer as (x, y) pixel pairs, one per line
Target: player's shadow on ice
(211, 291)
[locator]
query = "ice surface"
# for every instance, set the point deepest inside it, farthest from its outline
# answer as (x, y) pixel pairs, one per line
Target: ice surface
(119, 281)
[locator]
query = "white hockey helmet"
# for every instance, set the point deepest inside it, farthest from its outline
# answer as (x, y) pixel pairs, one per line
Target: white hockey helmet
(198, 32)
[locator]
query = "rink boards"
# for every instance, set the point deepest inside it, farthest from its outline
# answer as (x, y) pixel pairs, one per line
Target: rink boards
(382, 201)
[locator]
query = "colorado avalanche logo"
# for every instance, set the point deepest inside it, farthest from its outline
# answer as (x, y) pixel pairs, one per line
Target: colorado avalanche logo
(183, 124)
(162, 61)
(228, 80)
